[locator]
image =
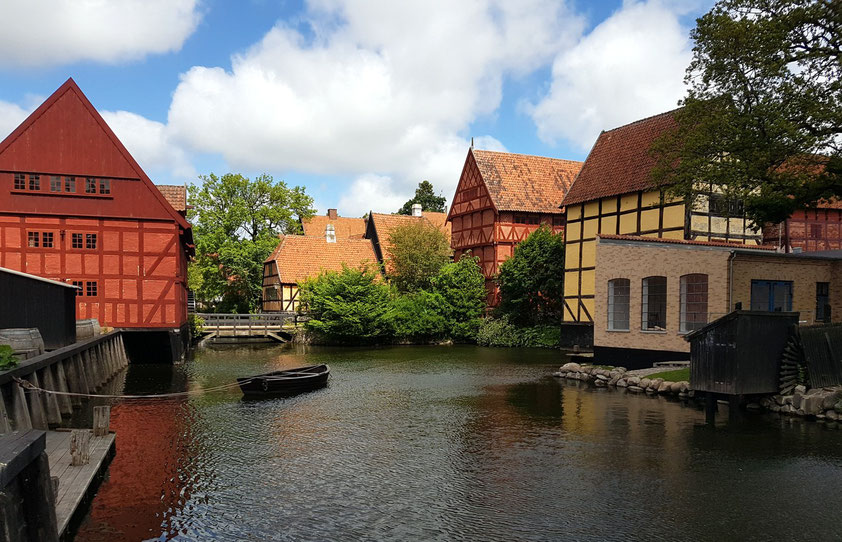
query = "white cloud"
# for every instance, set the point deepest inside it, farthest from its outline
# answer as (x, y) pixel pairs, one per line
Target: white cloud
(629, 67)
(384, 90)
(370, 193)
(150, 143)
(53, 32)
(11, 115)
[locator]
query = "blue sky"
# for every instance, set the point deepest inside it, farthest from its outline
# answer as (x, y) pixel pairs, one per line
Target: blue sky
(357, 101)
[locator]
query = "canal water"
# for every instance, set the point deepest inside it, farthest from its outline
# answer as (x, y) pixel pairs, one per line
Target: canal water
(449, 443)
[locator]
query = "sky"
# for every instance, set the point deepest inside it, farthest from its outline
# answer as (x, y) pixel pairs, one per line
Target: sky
(357, 101)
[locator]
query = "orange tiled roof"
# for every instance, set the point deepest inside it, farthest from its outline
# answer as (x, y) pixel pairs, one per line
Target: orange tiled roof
(521, 182)
(620, 161)
(829, 204)
(345, 227)
(175, 195)
(300, 257)
(386, 223)
(684, 242)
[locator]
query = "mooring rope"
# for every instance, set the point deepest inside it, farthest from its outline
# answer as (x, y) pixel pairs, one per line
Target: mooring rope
(27, 385)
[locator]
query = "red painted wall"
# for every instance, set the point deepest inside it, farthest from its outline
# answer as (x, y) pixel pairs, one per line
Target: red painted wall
(139, 258)
(810, 230)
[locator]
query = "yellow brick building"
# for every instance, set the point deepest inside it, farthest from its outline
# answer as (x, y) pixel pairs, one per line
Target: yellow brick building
(613, 194)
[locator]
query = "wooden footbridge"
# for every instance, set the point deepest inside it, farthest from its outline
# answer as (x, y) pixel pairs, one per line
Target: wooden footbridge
(273, 326)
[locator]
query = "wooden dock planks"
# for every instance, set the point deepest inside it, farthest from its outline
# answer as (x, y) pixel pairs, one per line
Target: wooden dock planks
(74, 482)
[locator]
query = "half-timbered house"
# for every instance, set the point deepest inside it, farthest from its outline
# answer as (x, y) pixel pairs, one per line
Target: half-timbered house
(614, 194)
(501, 198)
(380, 226)
(299, 257)
(808, 230)
(77, 207)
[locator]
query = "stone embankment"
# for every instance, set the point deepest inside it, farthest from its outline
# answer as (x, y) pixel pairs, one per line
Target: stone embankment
(621, 378)
(823, 403)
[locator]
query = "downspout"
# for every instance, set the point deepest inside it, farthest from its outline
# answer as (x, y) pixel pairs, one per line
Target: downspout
(731, 279)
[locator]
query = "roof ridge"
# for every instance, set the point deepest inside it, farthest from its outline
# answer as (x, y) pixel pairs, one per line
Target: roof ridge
(644, 119)
(530, 155)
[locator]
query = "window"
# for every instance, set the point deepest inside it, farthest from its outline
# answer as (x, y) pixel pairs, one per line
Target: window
(32, 238)
(105, 186)
(34, 182)
(90, 241)
(722, 206)
(527, 219)
(70, 184)
(558, 221)
(618, 304)
(47, 239)
(78, 285)
(815, 231)
(694, 302)
(76, 240)
(90, 186)
(653, 316)
(20, 181)
(822, 302)
(55, 184)
(90, 289)
(771, 295)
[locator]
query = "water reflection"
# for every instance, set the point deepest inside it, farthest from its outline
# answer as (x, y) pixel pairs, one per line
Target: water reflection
(448, 443)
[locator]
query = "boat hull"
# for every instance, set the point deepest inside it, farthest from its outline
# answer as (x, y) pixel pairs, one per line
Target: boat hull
(288, 382)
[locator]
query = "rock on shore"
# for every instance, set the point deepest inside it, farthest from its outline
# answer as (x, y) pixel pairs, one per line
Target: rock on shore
(618, 377)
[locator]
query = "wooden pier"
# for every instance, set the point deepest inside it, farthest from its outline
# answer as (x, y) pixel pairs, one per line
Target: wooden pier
(276, 326)
(76, 483)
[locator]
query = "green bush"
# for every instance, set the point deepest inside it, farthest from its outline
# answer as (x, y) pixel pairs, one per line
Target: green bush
(501, 332)
(7, 358)
(196, 324)
(461, 287)
(417, 317)
(348, 306)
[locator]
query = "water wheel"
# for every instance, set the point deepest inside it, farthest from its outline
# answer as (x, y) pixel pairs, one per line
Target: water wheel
(793, 364)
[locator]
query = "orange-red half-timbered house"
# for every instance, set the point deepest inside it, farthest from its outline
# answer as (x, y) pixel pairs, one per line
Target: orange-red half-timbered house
(808, 230)
(501, 198)
(77, 207)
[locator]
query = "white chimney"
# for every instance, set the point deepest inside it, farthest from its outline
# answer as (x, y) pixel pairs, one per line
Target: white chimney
(330, 233)
(416, 209)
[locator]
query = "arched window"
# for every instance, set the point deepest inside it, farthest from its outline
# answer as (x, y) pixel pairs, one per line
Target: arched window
(694, 302)
(618, 305)
(653, 304)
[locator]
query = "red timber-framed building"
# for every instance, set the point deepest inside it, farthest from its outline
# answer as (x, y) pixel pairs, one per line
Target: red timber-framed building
(77, 207)
(501, 198)
(808, 230)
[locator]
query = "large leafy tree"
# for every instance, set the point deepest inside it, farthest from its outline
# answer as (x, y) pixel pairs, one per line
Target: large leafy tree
(426, 196)
(532, 280)
(236, 223)
(461, 286)
(762, 120)
(415, 253)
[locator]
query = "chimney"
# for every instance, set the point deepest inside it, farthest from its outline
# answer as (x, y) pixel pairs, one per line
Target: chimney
(330, 233)
(332, 214)
(416, 209)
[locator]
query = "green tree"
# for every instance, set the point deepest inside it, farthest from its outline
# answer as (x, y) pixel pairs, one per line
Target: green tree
(532, 280)
(415, 253)
(236, 223)
(348, 306)
(426, 196)
(461, 287)
(762, 119)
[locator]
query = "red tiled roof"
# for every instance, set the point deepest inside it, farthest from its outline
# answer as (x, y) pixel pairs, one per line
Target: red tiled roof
(175, 195)
(829, 204)
(384, 224)
(520, 182)
(620, 161)
(684, 242)
(300, 256)
(345, 227)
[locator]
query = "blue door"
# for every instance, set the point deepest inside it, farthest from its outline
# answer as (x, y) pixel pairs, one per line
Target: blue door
(771, 295)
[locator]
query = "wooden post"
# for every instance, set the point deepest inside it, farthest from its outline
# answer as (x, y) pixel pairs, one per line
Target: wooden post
(20, 412)
(73, 383)
(84, 383)
(50, 399)
(36, 405)
(123, 354)
(710, 408)
(102, 420)
(5, 426)
(90, 363)
(64, 401)
(735, 414)
(80, 447)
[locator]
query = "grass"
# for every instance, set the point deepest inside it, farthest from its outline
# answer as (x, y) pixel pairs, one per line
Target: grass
(677, 375)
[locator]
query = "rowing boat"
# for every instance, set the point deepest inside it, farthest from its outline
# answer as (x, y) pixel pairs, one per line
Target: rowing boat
(286, 382)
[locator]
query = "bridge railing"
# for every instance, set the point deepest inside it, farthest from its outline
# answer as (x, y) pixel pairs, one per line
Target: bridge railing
(266, 321)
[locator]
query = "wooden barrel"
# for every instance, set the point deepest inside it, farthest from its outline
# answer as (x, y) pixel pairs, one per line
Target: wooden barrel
(87, 329)
(25, 342)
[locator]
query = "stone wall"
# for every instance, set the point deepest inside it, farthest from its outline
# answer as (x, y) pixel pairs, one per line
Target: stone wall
(619, 377)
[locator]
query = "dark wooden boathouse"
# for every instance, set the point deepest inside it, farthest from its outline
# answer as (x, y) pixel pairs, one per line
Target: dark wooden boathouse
(27, 301)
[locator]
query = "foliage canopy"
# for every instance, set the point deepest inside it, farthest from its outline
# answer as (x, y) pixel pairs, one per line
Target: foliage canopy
(415, 253)
(236, 223)
(762, 119)
(426, 196)
(532, 280)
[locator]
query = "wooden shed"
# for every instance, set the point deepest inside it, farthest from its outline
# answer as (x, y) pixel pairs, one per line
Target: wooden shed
(28, 301)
